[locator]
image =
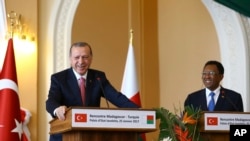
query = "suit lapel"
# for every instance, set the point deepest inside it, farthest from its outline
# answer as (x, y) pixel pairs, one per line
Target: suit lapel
(73, 85)
(220, 102)
(204, 99)
(90, 86)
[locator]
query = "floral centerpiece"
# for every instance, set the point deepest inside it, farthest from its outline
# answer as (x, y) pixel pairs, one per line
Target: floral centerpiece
(183, 127)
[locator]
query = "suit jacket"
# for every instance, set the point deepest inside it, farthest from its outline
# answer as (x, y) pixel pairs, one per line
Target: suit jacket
(64, 90)
(228, 100)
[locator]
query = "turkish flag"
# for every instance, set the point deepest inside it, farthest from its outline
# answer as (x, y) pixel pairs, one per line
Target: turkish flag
(212, 120)
(25, 118)
(80, 117)
(10, 119)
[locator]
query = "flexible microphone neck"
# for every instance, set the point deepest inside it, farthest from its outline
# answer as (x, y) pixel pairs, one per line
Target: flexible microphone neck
(100, 83)
(223, 95)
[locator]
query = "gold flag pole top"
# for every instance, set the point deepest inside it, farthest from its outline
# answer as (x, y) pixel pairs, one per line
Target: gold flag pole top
(131, 36)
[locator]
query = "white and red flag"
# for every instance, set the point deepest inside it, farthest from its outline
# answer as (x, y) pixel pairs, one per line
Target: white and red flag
(129, 83)
(10, 116)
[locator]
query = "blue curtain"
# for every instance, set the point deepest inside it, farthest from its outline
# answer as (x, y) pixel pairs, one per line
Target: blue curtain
(241, 6)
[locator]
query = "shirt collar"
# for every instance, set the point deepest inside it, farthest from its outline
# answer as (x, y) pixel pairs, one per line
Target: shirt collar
(216, 91)
(78, 76)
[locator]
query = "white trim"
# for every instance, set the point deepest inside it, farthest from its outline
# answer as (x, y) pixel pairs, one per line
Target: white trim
(62, 25)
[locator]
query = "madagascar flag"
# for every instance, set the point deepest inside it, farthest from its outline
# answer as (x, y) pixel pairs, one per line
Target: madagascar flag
(150, 119)
(130, 86)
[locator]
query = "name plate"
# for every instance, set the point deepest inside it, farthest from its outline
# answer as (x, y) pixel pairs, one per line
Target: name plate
(110, 118)
(222, 121)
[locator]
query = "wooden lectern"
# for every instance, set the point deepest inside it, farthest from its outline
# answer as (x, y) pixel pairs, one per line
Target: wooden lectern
(97, 124)
(215, 126)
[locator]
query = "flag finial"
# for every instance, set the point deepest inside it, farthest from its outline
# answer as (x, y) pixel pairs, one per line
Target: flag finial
(131, 36)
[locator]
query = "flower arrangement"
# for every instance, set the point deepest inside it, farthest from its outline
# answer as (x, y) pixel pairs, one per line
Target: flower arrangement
(181, 127)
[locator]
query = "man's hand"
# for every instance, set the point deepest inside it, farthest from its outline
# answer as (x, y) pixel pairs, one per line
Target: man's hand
(60, 112)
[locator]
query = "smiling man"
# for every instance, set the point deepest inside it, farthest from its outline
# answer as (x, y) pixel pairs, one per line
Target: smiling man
(214, 97)
(81, 85)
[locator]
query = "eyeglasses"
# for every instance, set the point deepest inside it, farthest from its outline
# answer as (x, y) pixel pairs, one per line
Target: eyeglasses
(210, 73)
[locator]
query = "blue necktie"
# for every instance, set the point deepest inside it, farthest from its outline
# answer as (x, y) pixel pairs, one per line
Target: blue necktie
(211, 103)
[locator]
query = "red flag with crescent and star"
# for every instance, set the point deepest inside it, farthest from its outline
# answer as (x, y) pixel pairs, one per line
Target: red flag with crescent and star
(10, 119)
(212, 120)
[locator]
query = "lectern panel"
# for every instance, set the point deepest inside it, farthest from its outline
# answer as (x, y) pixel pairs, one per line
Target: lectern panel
(214, 126)
(97, 124)
(99, 136)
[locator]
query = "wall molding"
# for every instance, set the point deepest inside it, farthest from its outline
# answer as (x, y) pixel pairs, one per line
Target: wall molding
(62, 32)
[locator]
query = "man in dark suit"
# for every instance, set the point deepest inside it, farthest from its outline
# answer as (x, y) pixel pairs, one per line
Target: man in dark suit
(64, 91)
(224, 99)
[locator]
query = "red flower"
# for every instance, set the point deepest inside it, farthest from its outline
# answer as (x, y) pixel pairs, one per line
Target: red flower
(181, 135)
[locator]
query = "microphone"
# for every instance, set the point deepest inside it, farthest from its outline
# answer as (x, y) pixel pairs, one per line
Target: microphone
(223, 95)
(100, 83)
